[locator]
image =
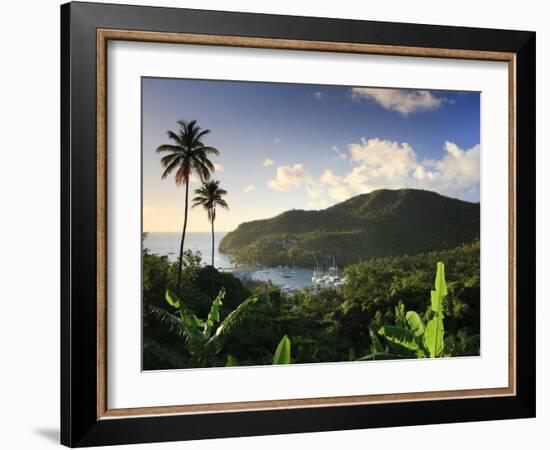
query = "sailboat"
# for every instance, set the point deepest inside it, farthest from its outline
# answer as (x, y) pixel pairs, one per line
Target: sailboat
(317, 277)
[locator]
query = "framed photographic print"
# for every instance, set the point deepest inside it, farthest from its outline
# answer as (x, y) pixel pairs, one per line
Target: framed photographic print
(277, 224)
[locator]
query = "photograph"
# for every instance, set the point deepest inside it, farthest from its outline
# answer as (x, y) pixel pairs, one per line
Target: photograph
(292, 223)
(285, 222)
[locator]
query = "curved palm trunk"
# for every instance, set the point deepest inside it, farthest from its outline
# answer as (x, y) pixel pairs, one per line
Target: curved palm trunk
(212, 221)
(183, 232)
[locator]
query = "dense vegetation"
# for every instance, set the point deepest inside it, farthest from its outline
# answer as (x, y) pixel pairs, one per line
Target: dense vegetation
(323, 326)
(389, 242)
(382, 223)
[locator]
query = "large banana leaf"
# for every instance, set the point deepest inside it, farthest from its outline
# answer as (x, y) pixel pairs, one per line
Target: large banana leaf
(232, 320)
(172, 299)
(400, 320)
(282, 354)
(170, 320)
(433, 336)
(214, 314)
(434, 333)
(415, 323)
(376, 345)
(179, 326)
(440, 283)
(400, 336)
(186, 314)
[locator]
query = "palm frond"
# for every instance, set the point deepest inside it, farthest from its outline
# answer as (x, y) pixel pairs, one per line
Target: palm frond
(202, 171)
(169, 148)
(201, 134)
(210, 150)
(202, 158)
(174, 137)
(183, 124)
(192, 154)
(166, 160)
(221, 202)
(169, 168)
(204, 202)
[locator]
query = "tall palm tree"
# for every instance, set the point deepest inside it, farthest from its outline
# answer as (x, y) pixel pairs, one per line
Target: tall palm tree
(187, 156)
(210, 196)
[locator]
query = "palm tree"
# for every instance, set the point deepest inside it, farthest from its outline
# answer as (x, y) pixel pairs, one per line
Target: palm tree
(187, 156)
(210, 196)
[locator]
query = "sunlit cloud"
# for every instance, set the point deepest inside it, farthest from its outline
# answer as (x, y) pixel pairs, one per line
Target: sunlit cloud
(218, 167)
(329, 178)
(249, 188)
(383, 164)
(403, 101)
(289, 178)
(268, 162)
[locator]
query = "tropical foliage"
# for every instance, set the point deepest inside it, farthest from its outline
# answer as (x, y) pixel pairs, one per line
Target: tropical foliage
(322, 326)
(203, 338)
(410, 332)
(388, 241)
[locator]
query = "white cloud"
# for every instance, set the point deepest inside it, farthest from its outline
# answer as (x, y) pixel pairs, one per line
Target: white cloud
(318, 94)
(219, 167)
(383, 164)
(268, 162)
(277, 140)
(388, 160)
(249, 188)
(421, 174)
(403, 101)
(329, 178)
(289, 178)
(459, 169)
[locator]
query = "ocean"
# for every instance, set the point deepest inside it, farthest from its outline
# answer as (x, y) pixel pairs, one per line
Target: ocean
(168, 243)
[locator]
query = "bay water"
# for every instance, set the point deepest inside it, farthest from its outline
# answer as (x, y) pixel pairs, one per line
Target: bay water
(167, 243)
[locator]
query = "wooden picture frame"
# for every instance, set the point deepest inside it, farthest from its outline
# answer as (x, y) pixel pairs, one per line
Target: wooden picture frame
(86, 418)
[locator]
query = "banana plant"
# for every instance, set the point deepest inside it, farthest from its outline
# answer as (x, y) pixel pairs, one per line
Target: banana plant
(282, 353)
(410, 332)
(203, 338)
(281, 356)
(377, 350)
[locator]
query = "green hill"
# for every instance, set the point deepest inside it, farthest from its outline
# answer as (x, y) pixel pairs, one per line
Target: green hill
(381, 223)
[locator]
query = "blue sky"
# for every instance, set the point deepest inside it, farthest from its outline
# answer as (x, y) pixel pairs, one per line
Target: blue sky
(302, 146)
